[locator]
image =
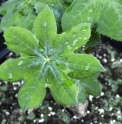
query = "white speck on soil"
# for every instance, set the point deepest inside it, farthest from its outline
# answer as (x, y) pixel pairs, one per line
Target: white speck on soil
(50, 108)
(102, 93)
(90, 97)
(41, 120)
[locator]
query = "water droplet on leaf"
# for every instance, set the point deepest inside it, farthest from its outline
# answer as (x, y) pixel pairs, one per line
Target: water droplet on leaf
(87, 67)
(74, 42)
(89, 18)
(45, 24)
(10, 76)
(69, 47)
(66, 42)
(47, 85)
(20, 63)
(90, 10)
(74, 35)
(85, 38)
(84, 30)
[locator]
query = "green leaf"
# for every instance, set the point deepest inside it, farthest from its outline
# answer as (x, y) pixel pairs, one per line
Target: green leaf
(45, 27)
(81, 65)
(65, 92)
(26, 21)
(72, 39)
(32, 93)
(8, 6)
(87, 12)
(17, 13)
(63, 116)
(10, 19)
(88, 86)
(16, 69)
(110, 20)
(105, 15)
(21, 40)
(92, 87)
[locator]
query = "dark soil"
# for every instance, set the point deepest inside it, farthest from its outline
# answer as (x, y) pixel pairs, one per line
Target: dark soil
(105, 109)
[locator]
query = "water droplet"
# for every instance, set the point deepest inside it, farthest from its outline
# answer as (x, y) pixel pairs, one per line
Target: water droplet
(67, 64)
(90, 10)
(10, 76)
(66, 42)
(89, 18)
(52, 4)
(74, 42)
(47, 85)
(87, 67)
(74, 35)
(20, 63)
(85, 38)
(84, 30)
(45, 24)
(69, 47)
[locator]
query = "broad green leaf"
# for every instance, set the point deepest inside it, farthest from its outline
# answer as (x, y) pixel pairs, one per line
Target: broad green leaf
(89, 86)
(17, 13)
(21, 40)
(16, 69)
(105, 15)
(92, 87)
(65, 92)
(57, 6)
(26, 21)
(8, 6)
(87, 12)
(45, 27)
(72, 39)
(32, 93)
(62, 115)
(81, 65)
(110, 20)
(10, 19)
(17, 19)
